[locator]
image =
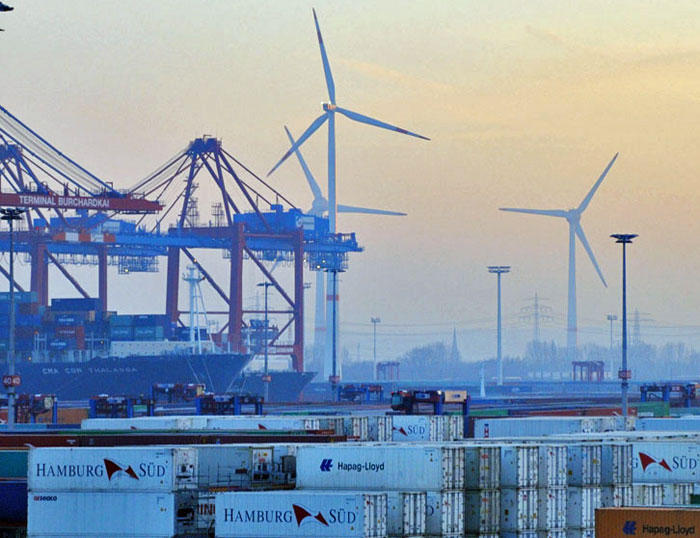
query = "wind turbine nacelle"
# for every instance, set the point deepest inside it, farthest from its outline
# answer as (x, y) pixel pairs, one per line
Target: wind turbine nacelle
(329, 107)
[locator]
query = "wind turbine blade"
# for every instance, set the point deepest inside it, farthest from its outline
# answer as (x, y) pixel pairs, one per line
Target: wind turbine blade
(546, 212)
(588, 197)
(315, 189)
(326, 65)
(367, 210)
(371, 121)
(584, 242)
(311, 129)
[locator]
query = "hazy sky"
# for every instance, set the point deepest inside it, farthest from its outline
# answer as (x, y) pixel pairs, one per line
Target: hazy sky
(525, 102)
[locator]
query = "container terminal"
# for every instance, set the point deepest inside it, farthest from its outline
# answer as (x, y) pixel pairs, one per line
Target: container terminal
(193, 421)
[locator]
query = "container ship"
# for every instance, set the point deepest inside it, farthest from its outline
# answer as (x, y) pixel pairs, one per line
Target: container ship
(73, 350)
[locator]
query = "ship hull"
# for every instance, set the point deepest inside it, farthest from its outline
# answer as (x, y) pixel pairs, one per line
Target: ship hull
(132, 375)
(285, 386)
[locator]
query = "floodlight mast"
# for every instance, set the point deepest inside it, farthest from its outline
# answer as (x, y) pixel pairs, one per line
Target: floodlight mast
(499, 270)
(624, 374)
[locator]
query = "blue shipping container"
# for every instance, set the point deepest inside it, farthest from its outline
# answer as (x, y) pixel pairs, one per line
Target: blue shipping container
(75, 304)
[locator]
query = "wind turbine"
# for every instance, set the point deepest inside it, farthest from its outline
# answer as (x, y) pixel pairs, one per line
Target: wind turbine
(319, 206)
(573, 217)
(329, 111)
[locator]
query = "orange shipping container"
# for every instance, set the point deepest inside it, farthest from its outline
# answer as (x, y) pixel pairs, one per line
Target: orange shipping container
(646, 522)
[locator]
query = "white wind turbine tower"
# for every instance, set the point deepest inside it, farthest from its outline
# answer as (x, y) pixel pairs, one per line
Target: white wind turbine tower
(573, 217)
(328, 115)
(319, 206)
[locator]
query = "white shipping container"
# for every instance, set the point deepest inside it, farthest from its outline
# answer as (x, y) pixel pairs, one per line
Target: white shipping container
(406, 513)
(482, 511)
(665, 461)
(584, 464)
(616, 496)
(616, 464)
(445, 514)
(337, 424)
(672, 424)
(519, 509)
(647, 494)
(380, 467)
(206, 513)
(415, 428)
(551, 511)
(532, 426)
(553, 466)
(581, 503)
(455, 425)
(112, 469)
(301, 513)
(114, 514)
(262, 422)
(146, 423)
(677, 493)
(519, 466)
(380, 428)
(483, 467)
(356, 427)
(243, 466)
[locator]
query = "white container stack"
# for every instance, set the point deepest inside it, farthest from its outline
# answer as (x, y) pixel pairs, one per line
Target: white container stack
(88, 491)
(272, 514)
(552, 479)
(616, 474)
(519, 493)
(437, 470)
(584, 495)
(482, 489)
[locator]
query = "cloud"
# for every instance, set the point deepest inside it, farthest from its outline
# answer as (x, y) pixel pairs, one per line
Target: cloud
(386, 74)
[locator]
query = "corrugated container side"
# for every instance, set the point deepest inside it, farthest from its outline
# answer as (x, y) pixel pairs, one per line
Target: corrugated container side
(456, 427)
(581, 504)
(553, 466)
(519, 466)
(445, 513)
(357, 427)
(617, 496)
(384, 428)
(584, 464)
(154, 515)
(482, 511)
(301, 513)
(616, 467)
(647, 494)
(483, 467)
(519, 509)
(677, 493)
(337, 424)
(551, 511)
(406, 513)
